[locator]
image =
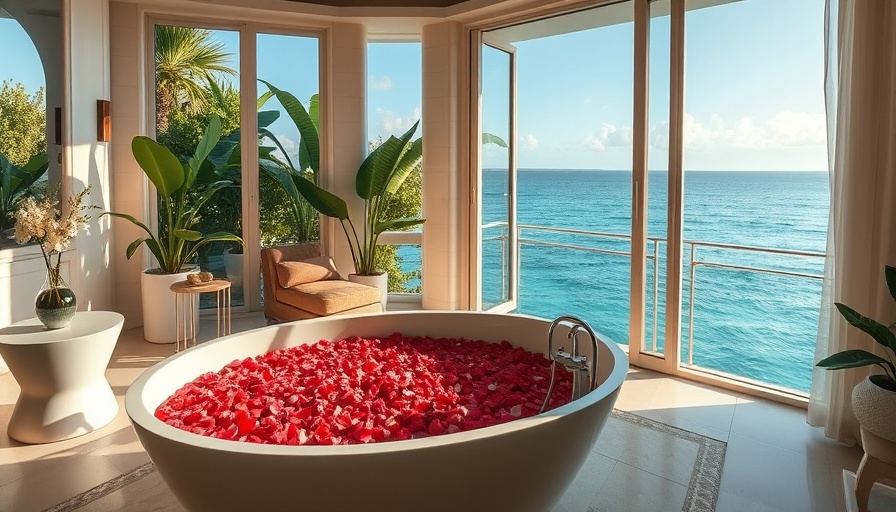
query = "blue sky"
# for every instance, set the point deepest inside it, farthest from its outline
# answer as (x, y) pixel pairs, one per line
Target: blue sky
(754, 99)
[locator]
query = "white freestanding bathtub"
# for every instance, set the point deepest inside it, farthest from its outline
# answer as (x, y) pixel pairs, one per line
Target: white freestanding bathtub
(523, 465)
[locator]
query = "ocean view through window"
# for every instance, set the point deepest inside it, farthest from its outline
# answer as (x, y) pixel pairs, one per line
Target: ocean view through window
(750, 164)
(751, 324)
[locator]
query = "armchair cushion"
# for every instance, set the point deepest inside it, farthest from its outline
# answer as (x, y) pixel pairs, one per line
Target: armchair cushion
(293, 273)
(329, 297)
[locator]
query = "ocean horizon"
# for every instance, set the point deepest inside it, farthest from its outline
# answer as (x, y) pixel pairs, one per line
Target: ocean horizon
(756, 325)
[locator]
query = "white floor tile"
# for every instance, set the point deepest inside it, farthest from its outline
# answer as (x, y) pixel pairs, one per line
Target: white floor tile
(629, 489)
(776, 477)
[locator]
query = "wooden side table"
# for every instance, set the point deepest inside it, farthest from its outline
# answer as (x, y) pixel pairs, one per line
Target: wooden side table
(62, 375)
(186, 316)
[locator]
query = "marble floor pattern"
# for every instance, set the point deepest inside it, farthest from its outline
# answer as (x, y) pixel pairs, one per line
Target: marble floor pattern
(774, 460)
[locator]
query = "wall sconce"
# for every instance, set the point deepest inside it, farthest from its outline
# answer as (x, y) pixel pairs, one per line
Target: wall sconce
(57, 117)
(103, 120)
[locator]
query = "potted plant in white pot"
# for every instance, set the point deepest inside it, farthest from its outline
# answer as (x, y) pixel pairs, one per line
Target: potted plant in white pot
(873, 399)
(175, 245)
(380, 175)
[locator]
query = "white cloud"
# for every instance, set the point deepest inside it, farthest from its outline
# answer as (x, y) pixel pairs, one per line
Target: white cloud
(292, 149)
(383, 83)
(528, 143)
(608, 136)
(784, 129)
(394, 124)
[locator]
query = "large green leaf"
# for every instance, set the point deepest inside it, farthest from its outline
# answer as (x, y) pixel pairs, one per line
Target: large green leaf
(393, 225)
(851, 359)
(881, 333)
(302, 119)
(268, 117)
(377, 169)
(408, 162)
(162, 168)
(206, 145)
(16, 180)
(890, 274)
(188, 234)
(314, 111)
(324, 202)
(488, 138)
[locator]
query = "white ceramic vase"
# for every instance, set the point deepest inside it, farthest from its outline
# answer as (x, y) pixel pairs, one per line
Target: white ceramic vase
(875, 408)
(159, 320)
(380, 281)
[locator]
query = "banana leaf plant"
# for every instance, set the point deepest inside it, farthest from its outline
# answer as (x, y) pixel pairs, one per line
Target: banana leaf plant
(380, 175)
(15, 183)
(277, 164)
(180, 198)
(882, 334)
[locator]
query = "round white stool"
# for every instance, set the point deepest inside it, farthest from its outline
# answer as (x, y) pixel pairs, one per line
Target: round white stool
(62, 375)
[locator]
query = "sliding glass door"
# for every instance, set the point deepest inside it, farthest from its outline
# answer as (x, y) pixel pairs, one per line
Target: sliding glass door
(497, 241)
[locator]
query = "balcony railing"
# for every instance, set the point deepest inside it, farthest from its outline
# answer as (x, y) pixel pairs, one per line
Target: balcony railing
(760, 260)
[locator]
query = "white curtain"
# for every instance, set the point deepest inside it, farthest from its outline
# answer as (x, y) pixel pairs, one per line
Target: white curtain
(860, 90)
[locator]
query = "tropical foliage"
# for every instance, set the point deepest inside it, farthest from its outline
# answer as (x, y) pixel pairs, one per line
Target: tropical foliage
(15, 185)
(186, 60)
(23, 123)
(882, 334)
(181, 197)
(379, 177)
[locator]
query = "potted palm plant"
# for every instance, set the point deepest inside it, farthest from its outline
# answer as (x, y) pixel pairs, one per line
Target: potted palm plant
(380, 175)
(873, 399)
(181, 197)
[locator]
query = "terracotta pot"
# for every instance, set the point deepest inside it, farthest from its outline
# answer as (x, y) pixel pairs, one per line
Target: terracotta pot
(875, 407)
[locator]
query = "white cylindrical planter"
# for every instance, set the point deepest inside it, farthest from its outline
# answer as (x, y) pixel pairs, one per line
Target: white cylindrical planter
(233, 267)
(159, 321)
(380, 281)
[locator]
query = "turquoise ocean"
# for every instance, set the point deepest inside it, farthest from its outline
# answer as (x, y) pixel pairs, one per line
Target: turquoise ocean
(755, 325)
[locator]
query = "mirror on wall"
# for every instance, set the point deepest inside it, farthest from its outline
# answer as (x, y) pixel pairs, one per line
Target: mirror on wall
(30, 104)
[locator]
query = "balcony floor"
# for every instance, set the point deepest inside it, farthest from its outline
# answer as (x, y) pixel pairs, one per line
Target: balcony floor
(774, 461)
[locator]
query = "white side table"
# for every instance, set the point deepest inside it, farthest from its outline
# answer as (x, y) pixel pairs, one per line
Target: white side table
(62, 375)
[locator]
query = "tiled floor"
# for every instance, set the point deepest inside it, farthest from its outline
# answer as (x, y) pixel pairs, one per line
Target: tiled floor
(774, 461)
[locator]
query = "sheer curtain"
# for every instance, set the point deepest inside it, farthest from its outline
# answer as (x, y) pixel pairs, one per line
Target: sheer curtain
(860, 90)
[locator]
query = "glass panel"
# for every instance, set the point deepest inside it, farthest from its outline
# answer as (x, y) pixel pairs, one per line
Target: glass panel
(288, 143)
(196, 79)
(755, 184)
(284, 216)
(575, 166)
(404, 264)
(30, 41)
(496, 177)
(394, 100)
(657, 176)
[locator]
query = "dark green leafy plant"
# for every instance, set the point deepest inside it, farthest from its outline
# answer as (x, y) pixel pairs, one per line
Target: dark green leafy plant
(881, 333)
(15, 185)
(181, 197)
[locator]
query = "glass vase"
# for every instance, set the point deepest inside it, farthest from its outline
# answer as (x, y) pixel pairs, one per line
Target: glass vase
(56, 303)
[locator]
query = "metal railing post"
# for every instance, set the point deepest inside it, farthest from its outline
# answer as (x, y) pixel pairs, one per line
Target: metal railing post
(691, 306)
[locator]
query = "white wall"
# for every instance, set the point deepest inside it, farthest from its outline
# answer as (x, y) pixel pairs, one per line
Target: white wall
(445, 208)
(128, 183)
(87, 161)
(345, 107)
